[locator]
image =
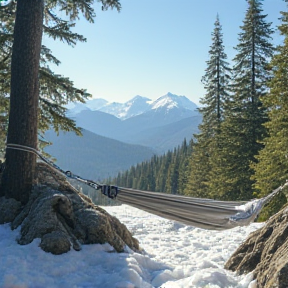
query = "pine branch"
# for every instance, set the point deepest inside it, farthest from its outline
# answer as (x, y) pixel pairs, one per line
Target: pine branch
(59, 88)
(46, 56)
(62, 32)
(73, 8)
(110, 4)
(54, 115)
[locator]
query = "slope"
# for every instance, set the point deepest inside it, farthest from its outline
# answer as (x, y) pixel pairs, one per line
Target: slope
(159, 128)
(93, 156)
(168, 136)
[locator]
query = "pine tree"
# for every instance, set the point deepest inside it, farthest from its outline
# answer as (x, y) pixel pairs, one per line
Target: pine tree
(55, 90)
(242, 129)
(17, 178)
(163, 172)
(171, 185)
(272, 168)
(184, 169)
(6, 34)
(23, 100)
(216, 83)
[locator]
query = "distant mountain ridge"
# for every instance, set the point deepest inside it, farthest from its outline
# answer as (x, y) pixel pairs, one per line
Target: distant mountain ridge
(140, 120)
(136, 106)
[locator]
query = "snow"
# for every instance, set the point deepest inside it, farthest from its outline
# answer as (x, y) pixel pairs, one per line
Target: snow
(134, 107)
(166, 102)
(174, 256)
(170, 101)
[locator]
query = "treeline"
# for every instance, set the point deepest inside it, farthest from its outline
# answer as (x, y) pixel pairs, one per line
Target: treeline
(241, 150)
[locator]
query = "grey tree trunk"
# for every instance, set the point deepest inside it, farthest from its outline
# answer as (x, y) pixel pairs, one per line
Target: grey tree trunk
(19, 170)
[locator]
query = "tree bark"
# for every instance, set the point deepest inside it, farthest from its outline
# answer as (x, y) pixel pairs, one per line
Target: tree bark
(19, 170)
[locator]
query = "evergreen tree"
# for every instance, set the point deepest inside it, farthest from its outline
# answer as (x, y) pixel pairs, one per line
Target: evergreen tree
(242, 129)
(55, 90)
(171, 185)
(272, 168)
(184, 169)
(163, 172)
(17, 178)
(19, 169)
(216, 83)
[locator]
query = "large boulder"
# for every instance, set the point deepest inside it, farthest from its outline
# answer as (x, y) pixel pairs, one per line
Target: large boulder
(62, 217)
(265, 252)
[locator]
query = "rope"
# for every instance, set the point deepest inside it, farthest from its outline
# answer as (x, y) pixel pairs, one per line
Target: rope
(68, 174)
(198, 212)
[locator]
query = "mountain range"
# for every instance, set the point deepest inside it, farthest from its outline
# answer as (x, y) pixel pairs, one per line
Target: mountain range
(161, 124)
(136, 106)
(119, 135)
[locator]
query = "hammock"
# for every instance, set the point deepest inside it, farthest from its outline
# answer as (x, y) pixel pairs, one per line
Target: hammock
(198, 212)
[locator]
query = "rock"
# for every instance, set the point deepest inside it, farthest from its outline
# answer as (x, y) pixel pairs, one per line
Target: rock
(62, 217)
(265, 251)
(55, 242)
(26, 209)
(9, 208)
(97, 229)
(42, 218)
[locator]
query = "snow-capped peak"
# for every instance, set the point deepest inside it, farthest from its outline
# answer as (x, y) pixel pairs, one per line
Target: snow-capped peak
(170, 101)
(136, 106)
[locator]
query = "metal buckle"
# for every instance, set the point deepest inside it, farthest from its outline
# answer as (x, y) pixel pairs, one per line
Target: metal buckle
(110, 191)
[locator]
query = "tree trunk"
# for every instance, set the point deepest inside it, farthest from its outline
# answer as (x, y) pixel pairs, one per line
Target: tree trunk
(19, 170)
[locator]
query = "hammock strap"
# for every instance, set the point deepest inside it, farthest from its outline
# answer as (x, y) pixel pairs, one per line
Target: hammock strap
(68, 174)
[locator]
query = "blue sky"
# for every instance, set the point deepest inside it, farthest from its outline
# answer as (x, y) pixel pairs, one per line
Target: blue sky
(153, 46)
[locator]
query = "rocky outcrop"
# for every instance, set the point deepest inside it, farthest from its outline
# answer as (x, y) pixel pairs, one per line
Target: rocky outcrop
(62, 217)
(265, 252)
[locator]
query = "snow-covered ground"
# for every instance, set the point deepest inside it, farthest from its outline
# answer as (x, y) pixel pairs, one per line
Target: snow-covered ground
(174, 256)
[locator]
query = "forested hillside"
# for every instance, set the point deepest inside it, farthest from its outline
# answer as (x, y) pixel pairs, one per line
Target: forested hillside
(165, 173)
(240, 151)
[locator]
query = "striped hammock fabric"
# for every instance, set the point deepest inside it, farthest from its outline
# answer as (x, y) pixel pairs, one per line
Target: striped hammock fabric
(197, 212)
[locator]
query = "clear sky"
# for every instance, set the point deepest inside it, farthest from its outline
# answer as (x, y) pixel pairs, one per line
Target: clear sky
(153, 46)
